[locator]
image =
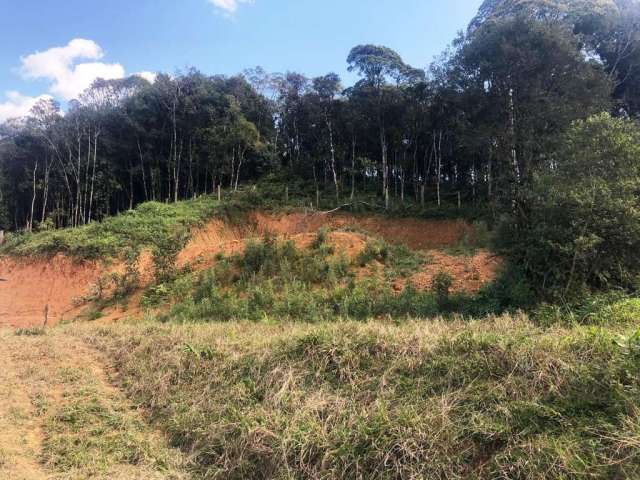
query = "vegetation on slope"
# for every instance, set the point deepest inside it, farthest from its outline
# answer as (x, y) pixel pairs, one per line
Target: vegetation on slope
(274, 280)
(496, 398)
(150, 225)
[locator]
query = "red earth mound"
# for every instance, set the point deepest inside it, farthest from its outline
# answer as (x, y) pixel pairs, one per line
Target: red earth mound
(469, 273)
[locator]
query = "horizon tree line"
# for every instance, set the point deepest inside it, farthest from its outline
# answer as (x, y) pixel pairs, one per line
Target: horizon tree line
(478, 124)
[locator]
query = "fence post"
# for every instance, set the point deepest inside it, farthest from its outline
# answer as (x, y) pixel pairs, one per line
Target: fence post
(219, 193)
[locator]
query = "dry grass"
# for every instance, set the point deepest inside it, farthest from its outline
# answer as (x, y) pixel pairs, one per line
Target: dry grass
(498, 398)
(61, 419)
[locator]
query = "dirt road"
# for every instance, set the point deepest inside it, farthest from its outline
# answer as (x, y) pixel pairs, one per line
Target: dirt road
(61, 418)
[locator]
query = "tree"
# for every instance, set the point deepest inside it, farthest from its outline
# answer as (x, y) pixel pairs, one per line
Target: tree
(376, 64)
(532, 81)
(579, 226)
(326, 88)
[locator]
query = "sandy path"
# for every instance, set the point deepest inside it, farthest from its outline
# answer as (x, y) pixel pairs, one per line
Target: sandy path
(20, 432)
(46, 378)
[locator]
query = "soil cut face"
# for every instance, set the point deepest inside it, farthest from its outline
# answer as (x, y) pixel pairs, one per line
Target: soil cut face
(218, 237)
(416, 234)
(470, 272)
(31, 289)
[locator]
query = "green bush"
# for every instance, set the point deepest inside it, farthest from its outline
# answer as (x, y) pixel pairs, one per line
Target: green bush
(442, 284)
(578, 228)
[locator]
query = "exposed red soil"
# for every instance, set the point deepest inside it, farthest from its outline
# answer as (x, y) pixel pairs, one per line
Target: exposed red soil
(415, 233)
(218, 237)
(32, 286)
(469, 273)
(29, 287)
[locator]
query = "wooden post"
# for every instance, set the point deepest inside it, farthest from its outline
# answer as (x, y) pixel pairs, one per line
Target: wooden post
(459, 201)
(286, 194)
(1, 237)
(219, 193)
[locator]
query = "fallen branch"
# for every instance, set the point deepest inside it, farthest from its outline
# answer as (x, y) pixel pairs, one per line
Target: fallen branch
(336, 209)
(347, 205)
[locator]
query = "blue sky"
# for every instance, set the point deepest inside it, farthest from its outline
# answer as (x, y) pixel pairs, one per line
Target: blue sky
(121, 37)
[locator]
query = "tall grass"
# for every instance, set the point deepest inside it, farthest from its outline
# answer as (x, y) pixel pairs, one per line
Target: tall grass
(275, 280)
(496, 398)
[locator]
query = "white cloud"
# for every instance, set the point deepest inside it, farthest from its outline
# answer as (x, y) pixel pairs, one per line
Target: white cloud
(69, 77)
(229, 6)
(17, 105)
(148, 76)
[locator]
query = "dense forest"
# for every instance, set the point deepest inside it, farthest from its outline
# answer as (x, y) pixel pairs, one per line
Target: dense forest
(531, 103)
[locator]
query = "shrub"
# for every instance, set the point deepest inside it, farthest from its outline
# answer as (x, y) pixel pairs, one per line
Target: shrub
(442, 284)
(165, 253)
(578, 228)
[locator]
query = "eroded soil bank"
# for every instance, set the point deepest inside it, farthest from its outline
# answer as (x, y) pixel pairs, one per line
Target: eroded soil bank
(35, 290)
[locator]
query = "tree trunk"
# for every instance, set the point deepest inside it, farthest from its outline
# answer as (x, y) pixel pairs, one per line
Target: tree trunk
(385, 168)
(333, 157)
(45, 193)
(33, 198)
(93, 173)
(144, 176)
(438, 153)
(353, 167)
(241, 153)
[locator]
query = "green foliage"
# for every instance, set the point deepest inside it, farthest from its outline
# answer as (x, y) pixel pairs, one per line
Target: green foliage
(276, 281)
(479, 237)
(31, 332)
(165, 253)
(273, 279)
(399, 260)
(579, 227)
(152, 225)
(127, 282)
(601, 309)
(442, 284)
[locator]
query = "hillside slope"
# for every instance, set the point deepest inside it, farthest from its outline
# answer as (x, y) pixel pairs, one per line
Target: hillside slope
(55, 276)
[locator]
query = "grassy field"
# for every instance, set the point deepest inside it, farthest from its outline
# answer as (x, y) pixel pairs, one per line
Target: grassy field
(494, 398)
(61, 418)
